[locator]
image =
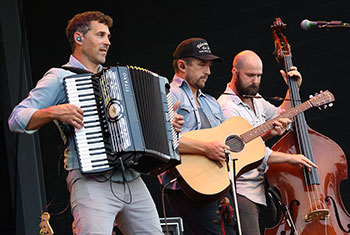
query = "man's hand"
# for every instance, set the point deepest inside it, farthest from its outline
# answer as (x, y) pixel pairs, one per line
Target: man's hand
(280, 126)
(300, 160)
(294, 159)
(178, 120)
(215, 150)
(68, 113)
(293, 72)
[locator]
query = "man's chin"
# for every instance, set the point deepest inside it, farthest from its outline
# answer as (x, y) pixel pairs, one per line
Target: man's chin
(102, 60)
(252, 92)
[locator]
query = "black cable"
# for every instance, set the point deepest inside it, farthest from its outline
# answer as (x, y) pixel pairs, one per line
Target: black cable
(163, 204)
(124, 182)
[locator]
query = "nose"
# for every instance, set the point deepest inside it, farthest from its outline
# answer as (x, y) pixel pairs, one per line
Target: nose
(207, 70)
(107, 41)
(256, 79)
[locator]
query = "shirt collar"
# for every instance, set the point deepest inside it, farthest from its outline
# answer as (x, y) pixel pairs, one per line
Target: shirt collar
(234, 97)
(74, 62)
(179, 82)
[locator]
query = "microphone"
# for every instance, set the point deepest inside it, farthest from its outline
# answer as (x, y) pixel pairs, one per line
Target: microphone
(260, 97)
(269, 98)
(307, 24)
(252, 96)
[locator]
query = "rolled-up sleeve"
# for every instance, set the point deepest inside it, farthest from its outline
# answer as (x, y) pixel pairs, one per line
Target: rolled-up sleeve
(49, 91)
(264, 166)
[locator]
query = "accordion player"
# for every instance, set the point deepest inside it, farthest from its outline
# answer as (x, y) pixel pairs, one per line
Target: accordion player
(127, 120)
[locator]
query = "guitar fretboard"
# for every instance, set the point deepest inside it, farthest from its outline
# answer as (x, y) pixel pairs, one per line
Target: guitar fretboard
(268, 125)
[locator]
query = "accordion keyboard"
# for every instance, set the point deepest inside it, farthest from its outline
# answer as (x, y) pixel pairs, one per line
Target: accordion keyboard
(89, 139)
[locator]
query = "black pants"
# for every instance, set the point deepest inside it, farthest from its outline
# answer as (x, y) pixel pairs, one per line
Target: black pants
(255, 217)
(201, 218)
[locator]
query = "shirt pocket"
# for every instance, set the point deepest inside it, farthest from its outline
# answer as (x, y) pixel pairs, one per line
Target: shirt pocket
(185, 110)
(263, 118)
(219, 117)
(189, 117)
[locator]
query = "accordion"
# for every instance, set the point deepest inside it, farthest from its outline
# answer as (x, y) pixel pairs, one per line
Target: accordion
(127, 120)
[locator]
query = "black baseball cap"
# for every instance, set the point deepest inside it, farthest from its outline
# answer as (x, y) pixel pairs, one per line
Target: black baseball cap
(197, 48)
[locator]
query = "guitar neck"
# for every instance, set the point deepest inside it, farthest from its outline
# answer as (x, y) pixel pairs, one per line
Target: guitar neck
(268, 125)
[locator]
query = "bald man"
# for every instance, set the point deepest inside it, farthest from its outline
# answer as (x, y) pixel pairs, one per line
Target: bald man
(238, 100)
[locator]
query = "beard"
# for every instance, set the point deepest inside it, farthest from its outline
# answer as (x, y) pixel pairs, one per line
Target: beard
(249, 90)
(200, 83)
(197, 83)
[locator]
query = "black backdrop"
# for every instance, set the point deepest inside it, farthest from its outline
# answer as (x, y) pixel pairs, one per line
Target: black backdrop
(146, 33)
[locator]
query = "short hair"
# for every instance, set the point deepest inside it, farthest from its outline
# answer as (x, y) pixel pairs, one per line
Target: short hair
(81, 23)
(188, 60)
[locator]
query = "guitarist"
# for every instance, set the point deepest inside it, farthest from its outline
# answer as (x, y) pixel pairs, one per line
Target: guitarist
(192, 62)
(241, 98)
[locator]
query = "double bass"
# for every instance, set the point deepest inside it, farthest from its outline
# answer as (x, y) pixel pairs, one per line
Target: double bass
(311, 198)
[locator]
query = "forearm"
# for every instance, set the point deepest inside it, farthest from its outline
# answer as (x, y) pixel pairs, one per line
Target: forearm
(278, 157)
(187, 145)
(286, 103)
(266, 136)
(40, 118)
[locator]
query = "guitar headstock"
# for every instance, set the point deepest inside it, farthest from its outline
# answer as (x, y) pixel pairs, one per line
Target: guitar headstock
(74, 228)
(282, 47)
(322, 99)
(45, 225)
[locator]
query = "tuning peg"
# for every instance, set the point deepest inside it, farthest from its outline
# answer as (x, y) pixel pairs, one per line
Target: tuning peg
(310, 96)
(330, 105)
(319, 108)
(325, 106)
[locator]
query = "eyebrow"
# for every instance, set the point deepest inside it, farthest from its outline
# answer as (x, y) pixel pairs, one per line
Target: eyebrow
(104, 33)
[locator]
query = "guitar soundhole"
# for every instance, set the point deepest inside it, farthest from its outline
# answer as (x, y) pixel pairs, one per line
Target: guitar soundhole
(235, 143)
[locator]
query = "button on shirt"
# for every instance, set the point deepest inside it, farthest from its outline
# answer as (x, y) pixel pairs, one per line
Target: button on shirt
(181, 90)
(49, 91)
(251, 183)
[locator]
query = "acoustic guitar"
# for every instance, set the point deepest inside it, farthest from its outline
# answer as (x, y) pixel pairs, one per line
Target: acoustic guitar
(205, 180)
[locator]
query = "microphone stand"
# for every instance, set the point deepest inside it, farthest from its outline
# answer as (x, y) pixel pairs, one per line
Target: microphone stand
(232, 173)
(286, 212)
(334, 24)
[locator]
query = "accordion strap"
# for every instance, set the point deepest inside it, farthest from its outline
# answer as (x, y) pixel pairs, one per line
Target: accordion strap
(75, 69)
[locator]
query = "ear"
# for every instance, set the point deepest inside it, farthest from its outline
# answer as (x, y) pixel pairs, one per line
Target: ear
(181, 65)
(234, 72)
(78, 37)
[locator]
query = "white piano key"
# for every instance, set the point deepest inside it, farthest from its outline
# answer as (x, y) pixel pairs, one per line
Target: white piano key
(74, 93)
(94, 154)
(90, 146)
(91, 168)
(88, 159)
(81, 99)
(90, 118)
(88, 102)
(91, 136)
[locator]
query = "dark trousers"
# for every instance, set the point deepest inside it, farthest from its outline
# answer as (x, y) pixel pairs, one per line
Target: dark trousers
(201, 218)
(255, 217)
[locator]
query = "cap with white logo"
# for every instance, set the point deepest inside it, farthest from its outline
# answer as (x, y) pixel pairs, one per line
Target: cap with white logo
(197, 48)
